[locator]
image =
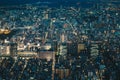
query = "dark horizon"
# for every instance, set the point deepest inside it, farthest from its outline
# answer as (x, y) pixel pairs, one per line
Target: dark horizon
(19, 2)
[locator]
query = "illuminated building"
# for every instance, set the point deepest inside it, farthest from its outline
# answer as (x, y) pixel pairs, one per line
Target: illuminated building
(63, 49)
(49, 55)
(21, 46)
(94, 50)
(4, 31)
(8, 49)
(46, 52)
(62, 38)
(62, 72)
(4, 50)
(81, 47)
(46, 47)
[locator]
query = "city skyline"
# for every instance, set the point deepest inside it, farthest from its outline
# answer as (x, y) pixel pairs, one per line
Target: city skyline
(60, 40)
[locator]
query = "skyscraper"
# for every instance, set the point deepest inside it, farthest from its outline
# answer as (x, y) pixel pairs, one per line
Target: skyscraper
(81, 47)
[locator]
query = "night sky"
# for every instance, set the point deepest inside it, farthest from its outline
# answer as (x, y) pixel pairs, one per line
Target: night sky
(17, 2)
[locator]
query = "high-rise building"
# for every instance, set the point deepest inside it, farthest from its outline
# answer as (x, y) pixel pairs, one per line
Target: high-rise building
(45, 15)
(4, 50)
(13, 49)
(62, 73)
(49, 55)
(8, 49)
(55, 45)
(63, 49)
(72, 48)
(81, 47)
(94, 50)
(62, 38)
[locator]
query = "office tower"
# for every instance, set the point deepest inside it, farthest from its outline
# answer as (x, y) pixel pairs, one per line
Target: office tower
(4, 50)
(72, 48)
(81, 47)
(62, 73)
(55, 45)
(13, 49)
(62, 38)
(49, 55)
(63, 49)
(94, 50)
(46, 15)
(8, 49)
